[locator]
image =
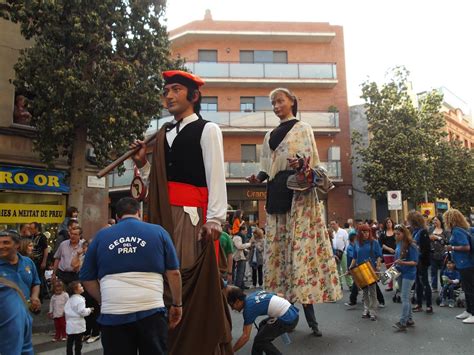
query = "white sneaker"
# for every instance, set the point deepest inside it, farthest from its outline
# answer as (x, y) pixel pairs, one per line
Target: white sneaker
(469, 320)
(92, 339)
(464, 315)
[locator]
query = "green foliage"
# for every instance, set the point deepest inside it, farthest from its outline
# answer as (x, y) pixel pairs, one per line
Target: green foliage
(454, 175)
(93, 64)
(403, 139)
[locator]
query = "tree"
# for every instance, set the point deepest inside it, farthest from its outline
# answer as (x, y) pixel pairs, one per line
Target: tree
(402, 152)
(454, 171)
(93, 73)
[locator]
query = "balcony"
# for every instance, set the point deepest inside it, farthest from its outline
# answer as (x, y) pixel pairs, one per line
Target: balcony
(261, 121)
(240, 170)
(320, 75)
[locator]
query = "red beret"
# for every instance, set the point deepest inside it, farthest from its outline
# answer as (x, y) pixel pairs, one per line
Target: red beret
(181, 77)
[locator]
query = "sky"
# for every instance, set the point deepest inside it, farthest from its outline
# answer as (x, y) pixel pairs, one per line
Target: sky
(433, 39)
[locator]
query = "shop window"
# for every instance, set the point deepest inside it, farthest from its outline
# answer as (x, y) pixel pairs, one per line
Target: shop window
(209, 104)
(247, 104)
(248, 153)
(207, 55)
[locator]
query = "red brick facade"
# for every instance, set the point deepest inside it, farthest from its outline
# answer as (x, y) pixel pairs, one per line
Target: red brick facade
(304, 43)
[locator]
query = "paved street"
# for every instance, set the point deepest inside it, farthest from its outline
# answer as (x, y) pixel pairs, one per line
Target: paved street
(345, 332)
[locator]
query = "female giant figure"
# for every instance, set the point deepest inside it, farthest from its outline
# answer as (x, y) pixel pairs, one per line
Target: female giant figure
(298, 259)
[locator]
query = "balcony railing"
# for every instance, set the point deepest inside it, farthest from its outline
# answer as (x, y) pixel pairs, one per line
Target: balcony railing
(233, 170)
(239, 170)
(264, 70)
(260, 119)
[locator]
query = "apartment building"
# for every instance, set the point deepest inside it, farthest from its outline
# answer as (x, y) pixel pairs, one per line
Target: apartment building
(241, 62)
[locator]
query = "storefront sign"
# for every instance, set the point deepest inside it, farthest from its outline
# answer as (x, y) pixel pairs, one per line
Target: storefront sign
(29, 179)
(256, 195)
(27, 213)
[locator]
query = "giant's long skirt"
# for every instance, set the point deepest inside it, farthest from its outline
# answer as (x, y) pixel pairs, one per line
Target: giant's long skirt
(299, 261)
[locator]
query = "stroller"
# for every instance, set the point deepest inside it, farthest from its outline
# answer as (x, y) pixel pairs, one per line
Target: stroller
(458, 293)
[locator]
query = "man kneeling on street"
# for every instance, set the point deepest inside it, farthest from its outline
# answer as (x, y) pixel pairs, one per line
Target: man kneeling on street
(282, 318)
(123, 270)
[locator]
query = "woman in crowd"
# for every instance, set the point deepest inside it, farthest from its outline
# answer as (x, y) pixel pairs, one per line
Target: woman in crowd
(26, 247)
(460, 247)
(388, 243)
(237, 222)
(406, 255)
(298, 255)
(422, 239)
(367, 248)
(439, 238)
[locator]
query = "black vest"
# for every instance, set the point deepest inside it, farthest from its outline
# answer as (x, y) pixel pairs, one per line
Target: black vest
(183, 159)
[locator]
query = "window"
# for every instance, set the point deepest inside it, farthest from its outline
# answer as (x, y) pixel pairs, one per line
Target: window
(263, 56)
(334, 153)
(247, 104)
(246, 56)
(248, 153)
(280, 57)
(207, 55)
(209, 104)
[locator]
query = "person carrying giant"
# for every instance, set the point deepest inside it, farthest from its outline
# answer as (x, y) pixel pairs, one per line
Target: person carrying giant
(187, 196)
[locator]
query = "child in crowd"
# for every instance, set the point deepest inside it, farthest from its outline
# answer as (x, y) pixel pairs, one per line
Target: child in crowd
(256, 257)
(56, 311)
(451, 279)
(75, 311)
(406, 260)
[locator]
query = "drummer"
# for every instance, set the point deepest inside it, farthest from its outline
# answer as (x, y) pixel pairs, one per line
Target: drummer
(368, 249)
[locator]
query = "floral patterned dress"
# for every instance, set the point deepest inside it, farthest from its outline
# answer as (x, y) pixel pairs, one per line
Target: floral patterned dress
(298, 255)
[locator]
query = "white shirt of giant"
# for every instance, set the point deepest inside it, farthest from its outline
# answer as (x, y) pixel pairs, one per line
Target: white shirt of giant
(213, 156)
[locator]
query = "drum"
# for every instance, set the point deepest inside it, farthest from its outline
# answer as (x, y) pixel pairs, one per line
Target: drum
(391, 274)
(364, 274)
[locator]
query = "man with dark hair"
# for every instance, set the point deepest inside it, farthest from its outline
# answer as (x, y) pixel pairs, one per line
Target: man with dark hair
(19, 269)
(25, 230)
(187, 196)
(71, 214)
(124, 271)
(282, 318)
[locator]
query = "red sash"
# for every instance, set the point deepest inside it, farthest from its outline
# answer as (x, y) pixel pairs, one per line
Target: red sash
(181, 194)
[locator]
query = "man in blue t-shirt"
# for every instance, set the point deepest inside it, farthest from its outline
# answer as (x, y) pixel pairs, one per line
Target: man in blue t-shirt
(282, 318)
(19, 269)
(123, 270)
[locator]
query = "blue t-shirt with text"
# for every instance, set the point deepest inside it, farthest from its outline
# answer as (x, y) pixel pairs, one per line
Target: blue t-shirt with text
(129, 246)
(257, 303)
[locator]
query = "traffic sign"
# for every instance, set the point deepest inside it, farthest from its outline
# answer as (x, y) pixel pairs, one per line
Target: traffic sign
(394, 199)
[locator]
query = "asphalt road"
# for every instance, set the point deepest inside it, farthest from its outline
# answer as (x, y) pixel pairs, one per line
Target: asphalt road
(345, 332)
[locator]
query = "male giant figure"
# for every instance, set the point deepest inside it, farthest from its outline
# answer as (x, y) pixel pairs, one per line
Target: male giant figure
(187, 196)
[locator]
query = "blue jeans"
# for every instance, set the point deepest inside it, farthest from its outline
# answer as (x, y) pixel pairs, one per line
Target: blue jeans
(406, 303)
(448, 292)
(239, 274)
